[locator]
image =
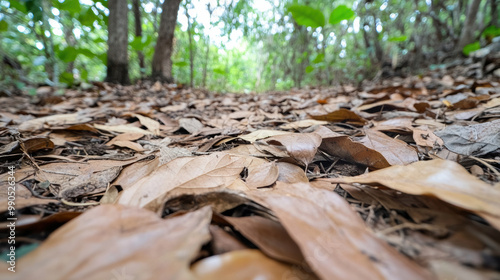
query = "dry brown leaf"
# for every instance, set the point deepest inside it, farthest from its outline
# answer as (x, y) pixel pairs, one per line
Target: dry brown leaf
(55, 120)
(426, 138)
(262, 175)
(341, 115)
(112, 240)
(214, 170)
(447, 180)
(355, 152)
(129, 144)
(302, 124)
(269, 236)
(245, 265)
(191, 125)
(395, 151)
(122, 128)
(333, 239)
(301, 146)
(152, 125)
(125, 137)
(38, 143)
(261, 134)
(291, 173)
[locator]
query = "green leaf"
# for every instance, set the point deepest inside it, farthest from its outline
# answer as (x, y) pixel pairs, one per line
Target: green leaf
(3, 25)
(319, 58)
(471, 47)
(181, 64)
(491, 31)
(84, 74)
(68, 54)
(307, 16)
(72, 6)
(221, 71)
(15, 4)
(139, 43)
(67, 78)
(340, 13)
(309, 69)
(86, 52)
(88, 18)
(398, 38)
(103, 57)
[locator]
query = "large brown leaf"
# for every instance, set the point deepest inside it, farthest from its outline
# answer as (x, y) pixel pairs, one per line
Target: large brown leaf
(214, 170)
(447, 180)
(333, 239)
(113, 241)
(301, 146)
(394, 150)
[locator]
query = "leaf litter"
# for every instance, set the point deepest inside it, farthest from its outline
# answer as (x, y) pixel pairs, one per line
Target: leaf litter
(395, 180)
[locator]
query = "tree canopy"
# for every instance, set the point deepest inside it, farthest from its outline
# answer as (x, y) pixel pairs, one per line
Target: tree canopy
(240, 46)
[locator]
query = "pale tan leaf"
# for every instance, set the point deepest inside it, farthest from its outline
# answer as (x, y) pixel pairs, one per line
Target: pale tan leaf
(54, 120)
(291, 173)
(447, 180)
(112, 241)
(122, 129)
(301, 146)
(302, 124)
(152, 125)
(129, 144)
(261, 134)
(395, 151)
(262, 175)
(125, 137)
(214, 170)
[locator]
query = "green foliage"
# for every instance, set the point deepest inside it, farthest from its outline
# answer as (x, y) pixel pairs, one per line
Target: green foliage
(471, 48)
(398, 39)
(341, 13)
(4, 25)
(307, 16)
(491, 31)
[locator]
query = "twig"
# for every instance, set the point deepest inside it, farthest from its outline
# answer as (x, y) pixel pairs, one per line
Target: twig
(69, 203)
(491, 167)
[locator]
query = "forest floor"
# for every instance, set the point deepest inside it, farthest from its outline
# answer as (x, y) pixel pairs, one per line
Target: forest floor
(395, 180)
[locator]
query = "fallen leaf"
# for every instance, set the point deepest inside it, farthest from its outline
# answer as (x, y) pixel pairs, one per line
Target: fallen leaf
(479, 139)
(447, 180)
(245, 265)
(214, 170)
(122, 128)
(269, 236)
(302, 124)
(340, 115)
(394, 151)
(291, 173)
(333, 239)
(191, 125)
(262, 175)
(354, 152)
(301, 146)
(261, 134)
(112, 240)
(152, 125)
(55, 120)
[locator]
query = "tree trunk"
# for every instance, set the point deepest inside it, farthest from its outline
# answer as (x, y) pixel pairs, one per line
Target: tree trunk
(467, 36)
(136, 7)
(495, 20)
(191, 57)
(162, 58)
(118, 42)
(207, 51)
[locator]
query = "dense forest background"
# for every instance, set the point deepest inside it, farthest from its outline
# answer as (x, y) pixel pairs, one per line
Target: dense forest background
(230, 45)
